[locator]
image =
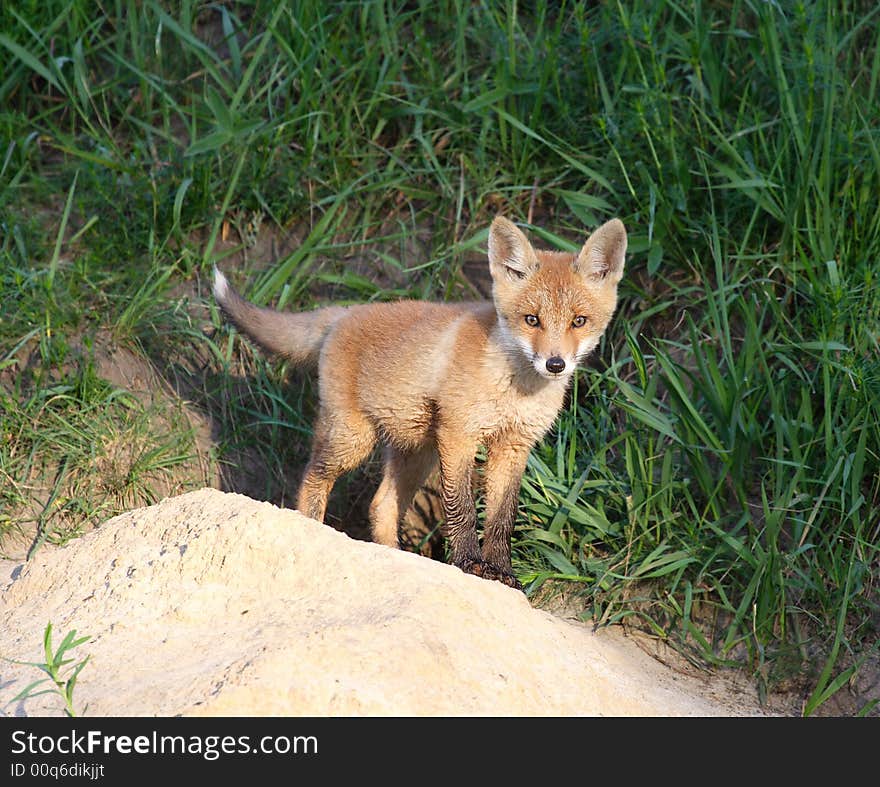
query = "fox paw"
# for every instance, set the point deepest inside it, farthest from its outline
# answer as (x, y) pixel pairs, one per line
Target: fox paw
(480, 568)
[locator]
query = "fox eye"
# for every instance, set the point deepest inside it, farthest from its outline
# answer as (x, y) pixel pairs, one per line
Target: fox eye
(579, 322)
(532, 320)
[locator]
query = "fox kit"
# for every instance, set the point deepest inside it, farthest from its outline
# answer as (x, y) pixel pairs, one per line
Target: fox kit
(434, 381)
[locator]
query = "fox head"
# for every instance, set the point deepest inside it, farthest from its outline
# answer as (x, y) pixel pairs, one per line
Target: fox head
(554, 306)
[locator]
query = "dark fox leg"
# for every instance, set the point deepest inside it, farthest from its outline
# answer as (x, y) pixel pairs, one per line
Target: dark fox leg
(460, 515)
(504, 468)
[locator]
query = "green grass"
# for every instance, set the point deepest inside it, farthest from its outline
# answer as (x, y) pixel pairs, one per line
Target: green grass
(715, 476)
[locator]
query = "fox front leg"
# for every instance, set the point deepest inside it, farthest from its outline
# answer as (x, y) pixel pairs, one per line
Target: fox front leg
(505, 463)
(456, 469)
(460, 526)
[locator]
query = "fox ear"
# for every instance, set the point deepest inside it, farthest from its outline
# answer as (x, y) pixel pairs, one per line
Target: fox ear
(510, 250)
(601, 258)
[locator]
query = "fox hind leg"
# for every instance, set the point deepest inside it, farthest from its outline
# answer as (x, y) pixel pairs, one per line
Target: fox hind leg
(338, 448)
(403, 475)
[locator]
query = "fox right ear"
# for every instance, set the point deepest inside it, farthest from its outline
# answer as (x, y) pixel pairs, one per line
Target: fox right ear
(510, 250)
(601, 258)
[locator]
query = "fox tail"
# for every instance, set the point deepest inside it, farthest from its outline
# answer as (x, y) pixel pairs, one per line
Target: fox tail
(297, 336)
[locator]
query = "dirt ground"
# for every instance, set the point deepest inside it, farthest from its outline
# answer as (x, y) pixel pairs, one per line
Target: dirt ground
(262, 588)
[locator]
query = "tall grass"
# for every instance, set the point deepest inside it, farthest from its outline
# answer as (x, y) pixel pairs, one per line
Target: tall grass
(715, 475)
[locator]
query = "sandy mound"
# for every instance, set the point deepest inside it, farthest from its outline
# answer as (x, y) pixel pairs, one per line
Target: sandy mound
(214, 604)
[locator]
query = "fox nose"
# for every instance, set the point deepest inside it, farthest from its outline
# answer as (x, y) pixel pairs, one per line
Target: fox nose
(555, 365)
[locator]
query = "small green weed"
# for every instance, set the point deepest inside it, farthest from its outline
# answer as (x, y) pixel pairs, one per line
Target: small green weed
(62, 676)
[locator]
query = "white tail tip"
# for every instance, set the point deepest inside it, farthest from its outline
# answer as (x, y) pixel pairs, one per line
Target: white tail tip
(221, 286)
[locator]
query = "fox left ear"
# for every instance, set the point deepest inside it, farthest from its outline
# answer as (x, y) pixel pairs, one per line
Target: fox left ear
(602, 256)
(510, 250)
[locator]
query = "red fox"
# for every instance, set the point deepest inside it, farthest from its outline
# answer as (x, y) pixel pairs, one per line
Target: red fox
(434, 381)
